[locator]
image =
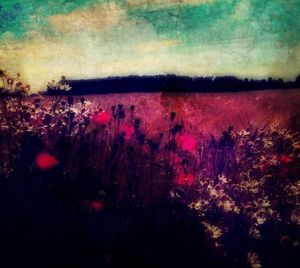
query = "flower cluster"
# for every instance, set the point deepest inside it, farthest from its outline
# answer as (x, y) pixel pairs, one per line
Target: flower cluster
(13, 84)
(238, 184)
(60, 86)
(264, 190)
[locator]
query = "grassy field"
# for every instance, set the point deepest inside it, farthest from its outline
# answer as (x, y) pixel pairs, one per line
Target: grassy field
(211, 112)
(151, 180)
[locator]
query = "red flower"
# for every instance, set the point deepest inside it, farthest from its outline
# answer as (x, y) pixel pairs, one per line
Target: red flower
(283, 158)
(45, 161)
(93, 205)
(286, 159)
(187, 142)
(185, 179)
(102, 117)
(96, 205)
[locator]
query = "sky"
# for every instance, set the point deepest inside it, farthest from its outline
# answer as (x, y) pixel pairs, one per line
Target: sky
(81, 39)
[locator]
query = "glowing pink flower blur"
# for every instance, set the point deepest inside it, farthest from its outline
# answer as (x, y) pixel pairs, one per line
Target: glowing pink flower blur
(102, 117)
(286, 159)
(185, 179)
(46, 161)
(283, 158)
(187, 142)
(93, 205)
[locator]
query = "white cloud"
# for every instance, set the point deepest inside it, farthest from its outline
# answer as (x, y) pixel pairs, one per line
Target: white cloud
(94, 18)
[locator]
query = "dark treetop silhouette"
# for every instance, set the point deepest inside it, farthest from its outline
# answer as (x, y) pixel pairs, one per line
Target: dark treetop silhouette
(173, 83)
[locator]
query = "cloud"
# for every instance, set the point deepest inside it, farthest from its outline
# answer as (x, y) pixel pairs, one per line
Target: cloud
(94, 18)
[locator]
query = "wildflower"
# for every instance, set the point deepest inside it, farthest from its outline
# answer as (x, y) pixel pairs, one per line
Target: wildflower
(185, 179)
(197, 205)
(96, 205)
(236, 209)
(255, 233)
(260, 220)
(212, 230)
(45, 161)
(286, 159)
(263, 202)
(102, 117)
(93, 205)
(10, 81)
(187, 142)
(228, 205)
(222, 179)
(172, 194)
(253, 260)
(295, 216)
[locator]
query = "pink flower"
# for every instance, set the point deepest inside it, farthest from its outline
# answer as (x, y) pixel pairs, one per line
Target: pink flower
(286, 159)
(102, 117)
(186, 142)
(185, 179)
(45, 161)
(283, 158)
(93, 205)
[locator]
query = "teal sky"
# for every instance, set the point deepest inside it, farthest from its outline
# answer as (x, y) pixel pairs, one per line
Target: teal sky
(44, 39)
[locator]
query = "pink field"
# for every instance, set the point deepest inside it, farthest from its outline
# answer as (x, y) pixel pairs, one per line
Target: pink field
(210, 112)
(164, 161)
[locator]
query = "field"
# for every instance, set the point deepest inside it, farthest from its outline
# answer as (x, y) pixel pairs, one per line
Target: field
(211, 112)
(160, 179)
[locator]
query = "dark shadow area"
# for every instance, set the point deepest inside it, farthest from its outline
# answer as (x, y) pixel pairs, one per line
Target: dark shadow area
(40, 230)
